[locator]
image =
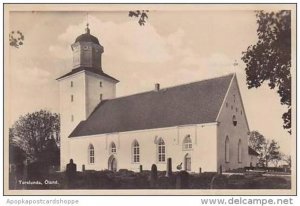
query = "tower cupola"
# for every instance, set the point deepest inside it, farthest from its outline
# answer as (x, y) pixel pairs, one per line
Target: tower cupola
(87, 51)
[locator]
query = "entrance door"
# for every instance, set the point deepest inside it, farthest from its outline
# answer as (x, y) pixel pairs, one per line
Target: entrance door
(112, 163)
(187, 162)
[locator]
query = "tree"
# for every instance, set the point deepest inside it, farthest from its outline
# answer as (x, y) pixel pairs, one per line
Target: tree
(141, 14)
(268, 150)
(270, 58)
(256, 141)
(35, 134)
(287, 159)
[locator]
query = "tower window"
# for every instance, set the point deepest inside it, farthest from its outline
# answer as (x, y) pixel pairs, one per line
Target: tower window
(100, 84)
(71, 83)
(72, 118)
(100, 97)
(72, 98)
(234, 98)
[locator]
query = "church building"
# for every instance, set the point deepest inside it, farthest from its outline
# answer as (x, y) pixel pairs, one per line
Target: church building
(198, 125)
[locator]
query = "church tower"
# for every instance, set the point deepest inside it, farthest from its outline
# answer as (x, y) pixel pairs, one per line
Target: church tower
(83, 88)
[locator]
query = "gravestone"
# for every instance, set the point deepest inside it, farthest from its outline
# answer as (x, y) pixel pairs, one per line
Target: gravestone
(182, 180)
(153, 177)
(169, 167)
(141, 168)
(71, 173)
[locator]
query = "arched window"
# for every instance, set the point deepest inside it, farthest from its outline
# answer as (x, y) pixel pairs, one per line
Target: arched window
(161, 150)
(240, 151)
(227, 155)
(135, 152)
(91, 154)
(187, 143)
(113, 148)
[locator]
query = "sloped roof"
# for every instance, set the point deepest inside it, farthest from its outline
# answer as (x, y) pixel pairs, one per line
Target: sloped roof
(93, 70)
(192, 103)
(251, 151)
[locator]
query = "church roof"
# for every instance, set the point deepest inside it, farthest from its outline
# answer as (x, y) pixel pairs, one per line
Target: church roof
(251, 151)
(93, 70)
(193, 103)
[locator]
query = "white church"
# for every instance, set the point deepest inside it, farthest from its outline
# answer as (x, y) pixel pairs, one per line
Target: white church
(198, 125)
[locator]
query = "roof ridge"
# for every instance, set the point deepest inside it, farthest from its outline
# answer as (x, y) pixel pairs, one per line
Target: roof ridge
(178, 85)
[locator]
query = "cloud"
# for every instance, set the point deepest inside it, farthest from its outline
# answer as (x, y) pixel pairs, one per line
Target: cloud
(124, 40)
(30, 76)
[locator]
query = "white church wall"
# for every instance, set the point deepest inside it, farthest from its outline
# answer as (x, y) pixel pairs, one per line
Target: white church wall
(233, 106)
(93, 90)
(203, 153)
(253, 160)
(72, 112)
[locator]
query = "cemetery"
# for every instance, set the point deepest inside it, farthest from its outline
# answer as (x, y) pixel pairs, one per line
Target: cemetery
(145, 179)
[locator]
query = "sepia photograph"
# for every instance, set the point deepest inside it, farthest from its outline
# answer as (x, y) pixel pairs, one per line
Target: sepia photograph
(149, 99)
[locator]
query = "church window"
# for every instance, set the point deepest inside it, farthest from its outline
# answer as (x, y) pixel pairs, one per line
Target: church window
(72, 98)
(100, 84)
(91, 154)
(234, 121)
(240, 151)
(227, 155)
(226, 104)
(234, 98)
(135, 152)
(113, 148)
(236, 109)
(100, 97)
(161, 150)
(72, 118)
(71, 83)
(187, 143)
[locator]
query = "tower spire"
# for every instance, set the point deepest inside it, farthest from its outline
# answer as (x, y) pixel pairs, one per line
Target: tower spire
(87, 30)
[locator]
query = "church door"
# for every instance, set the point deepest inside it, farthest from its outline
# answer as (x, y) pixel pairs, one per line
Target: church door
(112, 163)
(187, 162)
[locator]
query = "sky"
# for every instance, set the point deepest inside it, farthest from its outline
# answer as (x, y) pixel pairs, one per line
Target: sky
(174, 47)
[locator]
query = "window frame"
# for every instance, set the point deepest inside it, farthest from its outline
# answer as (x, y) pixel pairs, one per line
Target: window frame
(91, 154)
(187, 143)
(112, 148)
(240, 158)
(161, 151)
(227, 149)
(135, 152)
